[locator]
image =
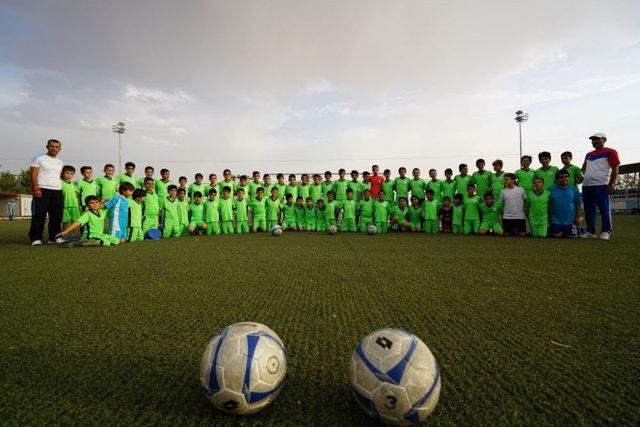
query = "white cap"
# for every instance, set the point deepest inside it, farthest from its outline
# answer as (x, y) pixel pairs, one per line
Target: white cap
(598, 135)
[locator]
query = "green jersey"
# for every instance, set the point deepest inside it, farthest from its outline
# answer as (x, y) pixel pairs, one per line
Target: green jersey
(240, 207)
(471, 207)
(125, 177)
(365, 186)
(196, 211)
(547, 175)
(575, 175)
(538, 205)
(170, 211)
(326, 188)
(415, 215)
(387, 187)
(497, 185)
(448, 189)
(483, 181)
(365, 207)
(458, 214)
(231, 184)
(340, 188)
(349, 208)
(161, 188)
(417, 187)
(208, 188)
(315, 192)
(321, 216)
(272, 208)
(69, 194)
(245, 189)
(150, 205)
(525, 179)
(462, 182)
(401, 213)
(301, 219)
(282, 191)
(436, 186)
(356, 187)
(491, 214)
(258, 208)
(93, 222)
(267, 189)
(332, 207)
(193, 187)
(212, 210)
(293, 190)
(401, 187)
(253, 188)
(107, 187)
(288, 213)
(140, 182)
(304, 191)
(380, 211)
(310, 216)
(430, 209)
(183, 211)
(226, 209)
(86, 188)
(135, 214)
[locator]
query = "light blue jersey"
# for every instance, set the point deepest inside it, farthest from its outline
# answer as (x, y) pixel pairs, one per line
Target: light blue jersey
(562, 205)
(118, 215)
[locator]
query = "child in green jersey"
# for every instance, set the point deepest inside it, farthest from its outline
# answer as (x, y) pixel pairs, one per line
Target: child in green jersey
(387, 187)
(349, 208)
(182, 185)
(457, 219)
(524, 175)
(381, 208)
(430, 209)
(538, 209)
(71, 210)
(148, 173)
(150, 206)
(183, 211)
(86, 186)
(340, 186)
(198, 186)
(107, 187)
(282, 188)
(92, 222)
(399, 216)
(321, 216)
(242, 184)
(170, 216)
(212, 213)
(240, 209)
(497, 180)
(272, 208)
(292, 187)
(228, 181)
(448, 185)
(415, 215)
(366, 182)
(490, 216)
(546, 171)
(134, 230)
(445, 215)
(258, 211)
(301, 221)
(304, 188)
(471, 204)
(127, 175)
(575, 173)
(162, 186)
(401, 184)
(327, 186)
(289, 214)
(417, 186)
(354, 185)
(253, 185)
(435, 184)
(267, 185)
(226, 210)
(463, 179)
(482, 178)
(316, 190)
(213, 184)
(333, 208)
(365, 211)
(197, 224)
(310, 214)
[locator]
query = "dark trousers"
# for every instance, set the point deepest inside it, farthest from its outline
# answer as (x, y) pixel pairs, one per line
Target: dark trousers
(593, 197)
(50, 203)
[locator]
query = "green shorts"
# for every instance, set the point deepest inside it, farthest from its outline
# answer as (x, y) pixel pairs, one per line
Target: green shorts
(271, 224)
(382, 226)
(171, 230)
(226, 227)
(259, 223)
(471, 225)
(196, 224)
(135, 234)
(149, 223)
(289, 224)
(105, 239)
(431, 226)
(457, 229)
(242, 226)
(70, 215)
(321, 226)
(539, 228)
(348, 224)
(364, 224)
(495, 226)
(213, 228)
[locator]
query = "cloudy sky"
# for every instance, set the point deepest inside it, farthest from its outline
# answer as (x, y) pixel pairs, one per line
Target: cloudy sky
(297, 86)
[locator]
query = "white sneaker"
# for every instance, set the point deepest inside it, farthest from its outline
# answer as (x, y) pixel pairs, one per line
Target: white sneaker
(36, 243)
(588, 235)
(605, 235)
(60, 240)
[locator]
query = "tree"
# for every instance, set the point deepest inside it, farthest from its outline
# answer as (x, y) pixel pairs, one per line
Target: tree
(627, 182)
(24, 182)
(8, 182)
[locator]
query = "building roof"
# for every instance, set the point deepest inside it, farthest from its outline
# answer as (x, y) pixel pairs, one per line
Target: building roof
(629, 168)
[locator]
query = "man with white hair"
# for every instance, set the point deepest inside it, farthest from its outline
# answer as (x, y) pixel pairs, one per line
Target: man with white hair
(600, 169)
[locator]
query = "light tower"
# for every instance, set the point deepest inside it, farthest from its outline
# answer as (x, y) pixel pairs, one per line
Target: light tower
(119, 129)
(521, 117)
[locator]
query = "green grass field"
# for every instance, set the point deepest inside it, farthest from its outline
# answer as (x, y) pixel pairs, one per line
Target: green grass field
(526, 331)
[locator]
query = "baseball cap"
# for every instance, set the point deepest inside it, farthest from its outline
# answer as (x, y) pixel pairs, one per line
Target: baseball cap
(598, 135)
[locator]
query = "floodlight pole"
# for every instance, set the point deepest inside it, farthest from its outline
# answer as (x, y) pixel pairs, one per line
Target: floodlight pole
(119, 128)
(521, 117)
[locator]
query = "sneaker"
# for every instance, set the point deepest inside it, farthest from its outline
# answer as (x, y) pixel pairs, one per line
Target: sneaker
(57, 241)
(605, 235)
(36, 243)
(588, 235)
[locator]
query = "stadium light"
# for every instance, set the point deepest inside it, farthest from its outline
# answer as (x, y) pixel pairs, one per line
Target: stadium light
(119, 129)
(521, 117)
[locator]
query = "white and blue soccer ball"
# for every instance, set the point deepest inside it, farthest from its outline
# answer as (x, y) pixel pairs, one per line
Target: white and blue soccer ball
(372, 230)
(394, 377)
(332, 229)
(243, 368)
(276, 230)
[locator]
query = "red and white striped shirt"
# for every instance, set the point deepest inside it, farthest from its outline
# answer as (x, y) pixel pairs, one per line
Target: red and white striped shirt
(597, 165)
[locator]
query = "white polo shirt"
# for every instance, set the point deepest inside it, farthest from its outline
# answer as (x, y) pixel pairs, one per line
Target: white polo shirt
(49, 169)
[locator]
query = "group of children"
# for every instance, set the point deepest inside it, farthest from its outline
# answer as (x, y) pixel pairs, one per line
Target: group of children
(114, 209)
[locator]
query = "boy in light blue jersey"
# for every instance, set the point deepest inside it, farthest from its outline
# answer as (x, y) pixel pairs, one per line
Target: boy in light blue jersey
(118, 212)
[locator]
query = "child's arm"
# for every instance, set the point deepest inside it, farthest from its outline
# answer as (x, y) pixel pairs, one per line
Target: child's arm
(73, 226)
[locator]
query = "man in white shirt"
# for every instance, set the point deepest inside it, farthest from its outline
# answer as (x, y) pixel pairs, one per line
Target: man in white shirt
(45, 172)
(513, 216)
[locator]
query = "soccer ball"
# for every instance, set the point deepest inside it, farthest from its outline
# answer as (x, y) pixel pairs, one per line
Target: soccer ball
(332, 229)
(394, 377)
(243, 368)
(372, 230)
(276, 231)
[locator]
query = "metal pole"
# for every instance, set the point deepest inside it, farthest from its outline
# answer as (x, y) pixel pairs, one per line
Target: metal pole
(119, 153)
(520, 131)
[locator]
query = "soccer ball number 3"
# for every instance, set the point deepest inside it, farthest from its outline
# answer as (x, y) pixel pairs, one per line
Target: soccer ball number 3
(243, 368)
(394, 377)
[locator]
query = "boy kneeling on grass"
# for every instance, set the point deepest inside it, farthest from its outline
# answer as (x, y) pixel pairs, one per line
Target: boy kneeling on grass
(92, 221)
